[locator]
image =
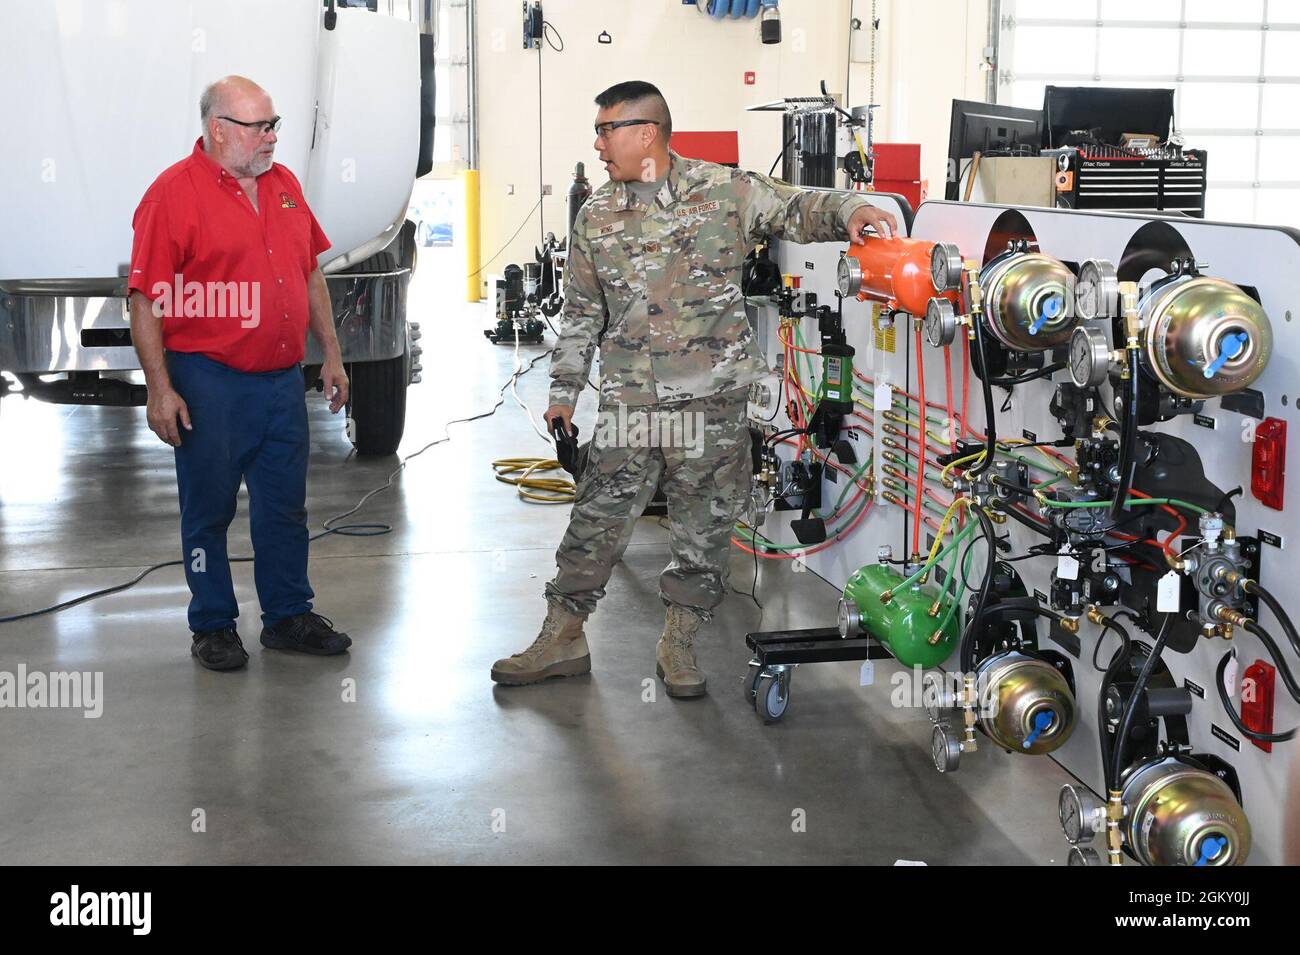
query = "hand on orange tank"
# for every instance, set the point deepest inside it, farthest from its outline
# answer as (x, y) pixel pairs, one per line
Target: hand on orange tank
(877, 219)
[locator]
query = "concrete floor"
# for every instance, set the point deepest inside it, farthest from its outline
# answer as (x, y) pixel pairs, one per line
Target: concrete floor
(432, 763)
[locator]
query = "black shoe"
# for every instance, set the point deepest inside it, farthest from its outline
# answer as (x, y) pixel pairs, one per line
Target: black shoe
(306, 633)
(219, 649)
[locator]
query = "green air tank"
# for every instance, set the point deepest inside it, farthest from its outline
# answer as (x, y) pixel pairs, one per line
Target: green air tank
(904, 624)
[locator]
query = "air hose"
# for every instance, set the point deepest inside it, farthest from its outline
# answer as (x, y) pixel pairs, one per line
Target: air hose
(535, 490)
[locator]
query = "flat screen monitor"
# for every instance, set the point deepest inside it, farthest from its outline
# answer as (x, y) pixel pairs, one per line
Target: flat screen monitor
(989, 129)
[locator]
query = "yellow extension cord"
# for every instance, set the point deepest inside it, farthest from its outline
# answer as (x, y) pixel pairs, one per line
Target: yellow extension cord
(535, 490)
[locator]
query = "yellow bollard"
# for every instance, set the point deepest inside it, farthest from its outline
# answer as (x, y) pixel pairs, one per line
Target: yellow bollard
(473, 271)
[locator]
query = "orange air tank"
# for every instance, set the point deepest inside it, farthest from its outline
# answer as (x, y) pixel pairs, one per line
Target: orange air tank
(898, 271)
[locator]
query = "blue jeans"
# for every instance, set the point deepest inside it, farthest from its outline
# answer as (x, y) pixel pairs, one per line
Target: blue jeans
(250, 427)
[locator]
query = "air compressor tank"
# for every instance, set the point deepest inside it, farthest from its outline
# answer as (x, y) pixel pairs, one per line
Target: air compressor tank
(579, 193)
(904, 624)
(896, 271)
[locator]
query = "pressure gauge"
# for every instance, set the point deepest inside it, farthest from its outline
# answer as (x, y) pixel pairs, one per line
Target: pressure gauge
(1082, 814)
(945, 748)
(848, 275)
(1063, 162)
(940, 323)
(1096, 293)
(945, 266)
(935, 696)
(849, 619)
(1089, 357)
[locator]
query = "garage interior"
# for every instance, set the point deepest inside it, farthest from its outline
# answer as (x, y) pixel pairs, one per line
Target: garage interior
(403, 751)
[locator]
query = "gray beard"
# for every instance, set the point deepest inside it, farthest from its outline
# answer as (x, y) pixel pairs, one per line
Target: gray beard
(255, 168)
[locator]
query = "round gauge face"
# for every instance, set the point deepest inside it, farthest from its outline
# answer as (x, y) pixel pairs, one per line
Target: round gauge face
(943, 266)
(1080, 360)
(1088, 364)
(843, 618)
(932, 698)
(939, 324)
(1095, 290)
(844, 277)
(1071, 814)
(939, 748)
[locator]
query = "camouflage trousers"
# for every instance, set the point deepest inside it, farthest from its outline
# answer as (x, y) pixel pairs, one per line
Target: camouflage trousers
(699, 450)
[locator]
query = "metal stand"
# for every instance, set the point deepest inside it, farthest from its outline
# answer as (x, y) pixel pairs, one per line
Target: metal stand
(778, 652)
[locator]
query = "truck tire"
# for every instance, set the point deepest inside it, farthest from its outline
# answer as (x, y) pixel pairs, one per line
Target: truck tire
(377, 404)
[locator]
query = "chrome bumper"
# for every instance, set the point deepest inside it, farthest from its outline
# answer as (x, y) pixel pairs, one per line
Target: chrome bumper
(48, 333)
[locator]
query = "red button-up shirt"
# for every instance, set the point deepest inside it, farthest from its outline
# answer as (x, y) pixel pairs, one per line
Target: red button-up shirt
(229, 281)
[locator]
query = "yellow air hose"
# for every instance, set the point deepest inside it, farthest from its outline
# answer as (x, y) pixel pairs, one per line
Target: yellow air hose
(535, 490)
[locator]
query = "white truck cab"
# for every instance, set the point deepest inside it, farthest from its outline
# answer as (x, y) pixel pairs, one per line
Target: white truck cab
(102, 95)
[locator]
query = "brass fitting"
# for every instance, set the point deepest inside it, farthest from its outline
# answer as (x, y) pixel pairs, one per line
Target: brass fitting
(1114, 820)
(1175, 564)
(1095, 616)
(997, 517)
(1070, 624)
(894, 499)
(1128, 296)
(934, 612)
(887, 596)
(935, 638)
(968, 744)
(1102, 422)
(1226, 614)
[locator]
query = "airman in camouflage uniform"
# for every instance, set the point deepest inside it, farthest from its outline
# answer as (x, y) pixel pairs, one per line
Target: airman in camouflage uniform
(662, 258)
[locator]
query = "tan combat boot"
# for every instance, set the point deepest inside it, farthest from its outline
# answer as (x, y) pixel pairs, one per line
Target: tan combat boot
(559, 650)
(675, 654)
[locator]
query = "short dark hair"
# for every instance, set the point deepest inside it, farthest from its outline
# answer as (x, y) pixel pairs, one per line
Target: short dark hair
(639, 91)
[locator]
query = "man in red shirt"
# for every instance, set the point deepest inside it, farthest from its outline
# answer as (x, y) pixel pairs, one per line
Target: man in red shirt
(224, 286)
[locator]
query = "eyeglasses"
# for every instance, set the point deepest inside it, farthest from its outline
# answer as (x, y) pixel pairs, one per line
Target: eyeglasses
(263, 126)
(604, 129)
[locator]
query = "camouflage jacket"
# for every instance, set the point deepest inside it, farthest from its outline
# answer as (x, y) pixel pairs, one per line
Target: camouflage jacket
(670, 279)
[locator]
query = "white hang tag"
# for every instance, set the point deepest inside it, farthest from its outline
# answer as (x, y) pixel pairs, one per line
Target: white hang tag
(867, 675)
(882, 399)
(1167, 593)
(1067, 567)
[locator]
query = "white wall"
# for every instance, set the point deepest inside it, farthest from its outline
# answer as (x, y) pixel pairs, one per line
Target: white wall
(928, 56)
(928, 53)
